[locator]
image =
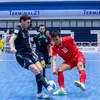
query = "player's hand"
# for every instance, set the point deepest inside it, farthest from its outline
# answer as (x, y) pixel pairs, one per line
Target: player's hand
(13, 50)
(36, 55)
(54, 72)
(50, 55)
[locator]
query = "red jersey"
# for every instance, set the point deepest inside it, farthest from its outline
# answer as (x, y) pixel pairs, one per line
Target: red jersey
(50, 37)
(67, 50)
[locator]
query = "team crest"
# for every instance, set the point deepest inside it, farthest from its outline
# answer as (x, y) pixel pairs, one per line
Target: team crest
(16, 31)
(64, 50)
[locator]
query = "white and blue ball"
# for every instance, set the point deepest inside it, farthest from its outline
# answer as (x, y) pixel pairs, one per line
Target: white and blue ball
(52, 84)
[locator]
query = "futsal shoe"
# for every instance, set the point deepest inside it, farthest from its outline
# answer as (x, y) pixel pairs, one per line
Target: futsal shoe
(80, 85)
(42, 95)
(60, 91)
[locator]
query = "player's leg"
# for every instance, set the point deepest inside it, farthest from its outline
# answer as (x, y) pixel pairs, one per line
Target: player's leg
(47, 64)
(27, 63)
(61, 68)
(80, 65)
(39, 78)
(2, 50)
(42, 61)
(47, 60)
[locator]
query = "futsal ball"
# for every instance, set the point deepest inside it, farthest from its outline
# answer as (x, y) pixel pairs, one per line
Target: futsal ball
(52, 84)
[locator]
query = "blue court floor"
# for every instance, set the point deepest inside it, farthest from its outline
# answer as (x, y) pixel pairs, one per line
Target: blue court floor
(17, 83)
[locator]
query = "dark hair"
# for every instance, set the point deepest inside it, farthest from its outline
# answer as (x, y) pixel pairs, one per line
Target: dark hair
(55, 33)
(25, 17)
(41, 25)
(47, 30)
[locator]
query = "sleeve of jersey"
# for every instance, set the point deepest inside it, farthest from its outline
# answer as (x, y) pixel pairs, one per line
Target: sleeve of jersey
(34, 40)
(48, 40)
(54, 53)
(70, 39)
(16, 31)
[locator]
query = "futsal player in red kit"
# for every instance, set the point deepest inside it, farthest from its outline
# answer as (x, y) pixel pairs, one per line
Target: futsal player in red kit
(66, 48)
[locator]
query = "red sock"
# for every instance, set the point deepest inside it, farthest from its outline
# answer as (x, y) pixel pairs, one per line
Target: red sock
(61, 79)
(82, 76)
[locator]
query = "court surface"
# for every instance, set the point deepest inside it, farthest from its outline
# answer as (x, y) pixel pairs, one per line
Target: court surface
(17, 83)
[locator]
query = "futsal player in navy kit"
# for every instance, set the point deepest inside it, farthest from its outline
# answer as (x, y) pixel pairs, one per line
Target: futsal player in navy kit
(42, 43)
(19, 45)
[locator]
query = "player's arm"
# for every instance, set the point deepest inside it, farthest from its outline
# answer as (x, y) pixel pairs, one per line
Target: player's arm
(12, 39)
(31, 46)
(49, 47)
(11, 43)
(50, 53)
(54, 58)
(70, 40)
(54, 71)
(32, 43)
(50, 50)
(74, 43)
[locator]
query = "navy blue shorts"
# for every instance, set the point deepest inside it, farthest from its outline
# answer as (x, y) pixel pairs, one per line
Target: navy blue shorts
(25, 60)
(45, 57)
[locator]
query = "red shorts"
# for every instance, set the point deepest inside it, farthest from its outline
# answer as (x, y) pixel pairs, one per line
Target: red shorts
(78, 58)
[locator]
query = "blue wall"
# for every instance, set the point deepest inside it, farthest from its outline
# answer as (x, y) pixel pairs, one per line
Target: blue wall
(49, 5)
(81, 34)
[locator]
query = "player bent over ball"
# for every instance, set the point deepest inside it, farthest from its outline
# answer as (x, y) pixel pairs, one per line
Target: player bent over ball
(66, 48)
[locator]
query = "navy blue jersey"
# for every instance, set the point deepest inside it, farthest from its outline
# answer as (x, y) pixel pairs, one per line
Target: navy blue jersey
(22, 41)
(41, 41)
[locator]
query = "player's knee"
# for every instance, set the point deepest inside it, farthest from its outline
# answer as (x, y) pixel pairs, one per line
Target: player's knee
(41, 71)
(80, 65)
(59, 69)
(34, 69)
